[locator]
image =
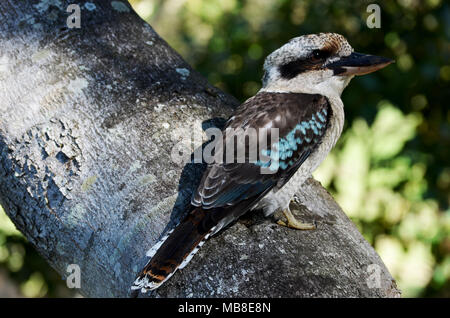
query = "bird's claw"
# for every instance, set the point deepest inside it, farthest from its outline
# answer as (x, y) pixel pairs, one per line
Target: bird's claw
(293, 223)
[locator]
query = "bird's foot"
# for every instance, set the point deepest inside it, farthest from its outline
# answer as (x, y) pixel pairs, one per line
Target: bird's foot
(293, 223)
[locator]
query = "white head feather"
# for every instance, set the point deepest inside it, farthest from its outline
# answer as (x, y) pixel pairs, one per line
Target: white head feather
(315, 81)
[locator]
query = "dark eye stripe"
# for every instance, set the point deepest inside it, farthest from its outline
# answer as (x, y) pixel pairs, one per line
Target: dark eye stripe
(321, 54)
(296, 67)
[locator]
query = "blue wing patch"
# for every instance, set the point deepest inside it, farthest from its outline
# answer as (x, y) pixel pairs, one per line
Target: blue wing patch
(281, 155)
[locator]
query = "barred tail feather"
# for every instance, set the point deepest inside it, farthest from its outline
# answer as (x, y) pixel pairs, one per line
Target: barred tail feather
(175, 250)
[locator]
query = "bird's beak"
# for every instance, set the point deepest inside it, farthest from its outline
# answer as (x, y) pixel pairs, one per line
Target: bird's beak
(358, 64)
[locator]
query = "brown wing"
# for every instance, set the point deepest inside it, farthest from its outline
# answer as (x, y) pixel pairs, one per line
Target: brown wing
(301, 120)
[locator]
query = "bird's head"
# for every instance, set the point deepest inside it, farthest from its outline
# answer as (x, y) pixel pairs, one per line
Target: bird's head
(317, 64)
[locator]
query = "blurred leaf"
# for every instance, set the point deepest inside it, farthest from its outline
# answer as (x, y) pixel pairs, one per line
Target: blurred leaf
(6, 226)
(391, 130)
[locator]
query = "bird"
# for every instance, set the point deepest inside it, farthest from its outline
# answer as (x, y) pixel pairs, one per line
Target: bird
(300, 99)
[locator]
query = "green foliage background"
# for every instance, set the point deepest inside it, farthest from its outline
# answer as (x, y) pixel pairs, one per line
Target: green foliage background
(390, 170)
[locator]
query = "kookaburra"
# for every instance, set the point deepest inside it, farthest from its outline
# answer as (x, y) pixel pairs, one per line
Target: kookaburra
(301, 97)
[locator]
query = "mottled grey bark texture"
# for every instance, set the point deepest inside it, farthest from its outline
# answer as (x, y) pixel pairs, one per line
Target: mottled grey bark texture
(89, 119)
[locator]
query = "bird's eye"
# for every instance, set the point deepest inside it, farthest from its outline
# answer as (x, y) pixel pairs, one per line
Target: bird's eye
(319, 55)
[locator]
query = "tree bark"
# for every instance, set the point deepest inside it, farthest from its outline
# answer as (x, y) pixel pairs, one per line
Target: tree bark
(90, 118)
